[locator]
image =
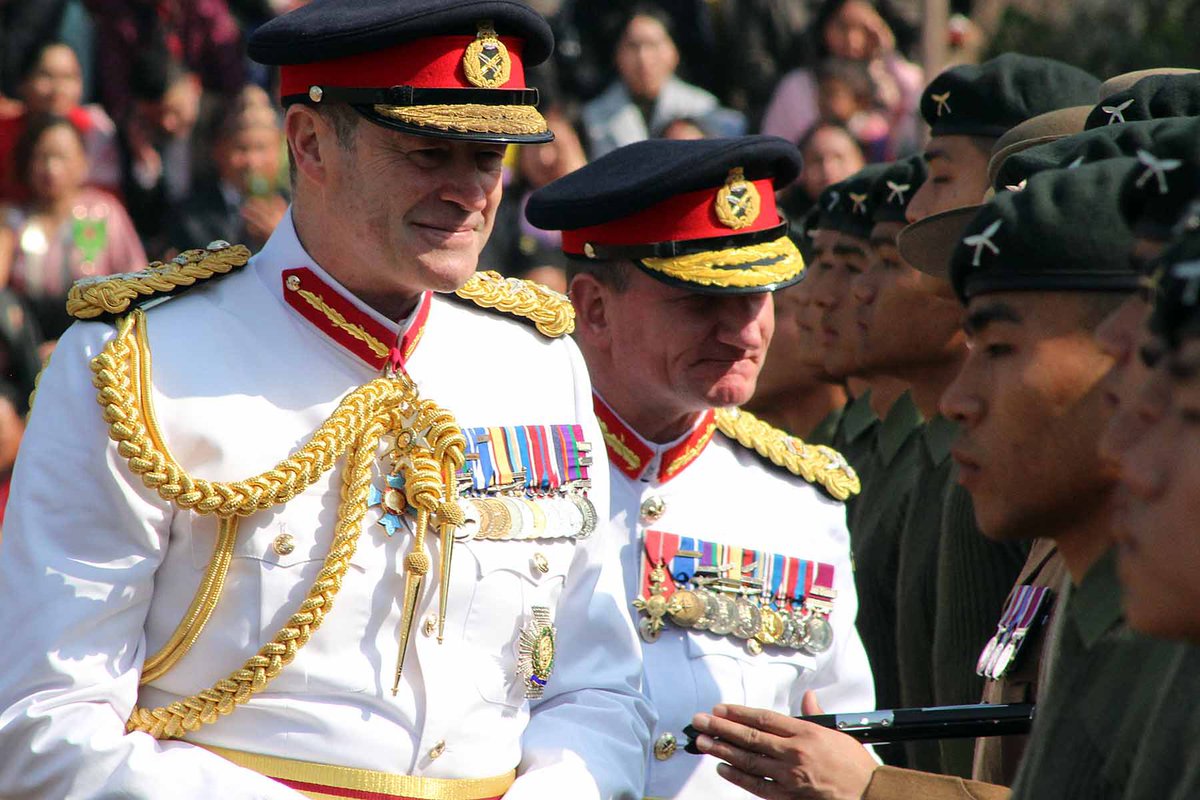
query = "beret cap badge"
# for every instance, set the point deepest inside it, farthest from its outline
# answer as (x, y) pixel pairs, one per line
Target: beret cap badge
(981, 240)
(943, 102)
(738, 202)
(486, 60)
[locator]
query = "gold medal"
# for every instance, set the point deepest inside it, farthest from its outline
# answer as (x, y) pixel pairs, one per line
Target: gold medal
(770, 629)
(685, 608)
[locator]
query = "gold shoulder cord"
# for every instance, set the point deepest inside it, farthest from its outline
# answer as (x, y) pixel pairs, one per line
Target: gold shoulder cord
(814, 463)
(550, 311)
(431, 447)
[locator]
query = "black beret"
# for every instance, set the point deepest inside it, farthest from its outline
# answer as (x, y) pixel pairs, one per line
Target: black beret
(853, 214)
(1063, 232)
(1098, 144)
(327, 29)
(895, 187)
(1158, 193)
(1153, 97)
(1177, 292)
(989, 98)
(677, 208)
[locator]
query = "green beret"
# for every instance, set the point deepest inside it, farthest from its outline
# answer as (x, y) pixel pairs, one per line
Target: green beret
(894, 189)
(1063, 232)
(1153, 97)
(1112, 141)
(1156, 195)
(989, 98)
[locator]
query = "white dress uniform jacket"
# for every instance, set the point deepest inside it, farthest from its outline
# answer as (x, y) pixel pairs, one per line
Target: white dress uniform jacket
(96, 571)
(723, 493)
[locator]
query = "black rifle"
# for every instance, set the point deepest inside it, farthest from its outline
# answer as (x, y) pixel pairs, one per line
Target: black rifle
(910, 724)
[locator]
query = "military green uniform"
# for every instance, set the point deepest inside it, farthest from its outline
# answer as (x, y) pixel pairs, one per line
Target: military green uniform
(916, 582)
(974, 576)
(826, 430)
(875, 523)
(853, 435)
(1171, 733)
(998, 757)
(1093, 715)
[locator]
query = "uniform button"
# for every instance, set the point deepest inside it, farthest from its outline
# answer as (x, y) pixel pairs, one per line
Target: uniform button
(541, 563)
(437, 750)
(653, 508)
(284, 544)
(429, 626)
(293, 282)
(665, 747)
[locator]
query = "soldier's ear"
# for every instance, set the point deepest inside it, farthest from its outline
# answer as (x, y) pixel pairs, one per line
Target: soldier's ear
(592, 302)
(303, 128)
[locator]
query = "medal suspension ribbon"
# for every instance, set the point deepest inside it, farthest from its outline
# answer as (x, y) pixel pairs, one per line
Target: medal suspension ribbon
(387, 405)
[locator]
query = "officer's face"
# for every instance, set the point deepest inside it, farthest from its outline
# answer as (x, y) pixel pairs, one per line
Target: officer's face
(686, 351)
(906, 319)
(415, 211)
(957, 176)
(837, 330)
(1029, 402)
(1158, 545)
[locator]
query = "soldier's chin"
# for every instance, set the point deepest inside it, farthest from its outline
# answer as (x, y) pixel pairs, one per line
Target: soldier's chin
(733, 390)
(447, 271)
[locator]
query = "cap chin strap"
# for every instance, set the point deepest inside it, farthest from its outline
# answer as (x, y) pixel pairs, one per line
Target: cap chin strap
(414, 96)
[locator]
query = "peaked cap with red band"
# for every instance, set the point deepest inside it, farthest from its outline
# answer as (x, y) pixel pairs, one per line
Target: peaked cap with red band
(446, 68)
(698, 214)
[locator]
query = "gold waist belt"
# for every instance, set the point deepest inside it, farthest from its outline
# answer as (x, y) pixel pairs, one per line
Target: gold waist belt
(326, 782)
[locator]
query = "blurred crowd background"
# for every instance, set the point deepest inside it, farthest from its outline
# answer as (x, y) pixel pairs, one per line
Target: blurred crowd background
(133, 129)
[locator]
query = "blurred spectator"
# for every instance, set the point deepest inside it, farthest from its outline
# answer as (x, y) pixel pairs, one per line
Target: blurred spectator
(243, 201)
(854, 30)
(66, 230)
(831, 154)
(159, 147)
(587, 32)
(517, 248)
(200, 34)
(53, 84)
(26, 26)
(20, 340)
(647, 94)
(846, 95)
(684, 128)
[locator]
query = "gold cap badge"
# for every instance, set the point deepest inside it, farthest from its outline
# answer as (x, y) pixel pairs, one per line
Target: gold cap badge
(486, 60)
(737, 202)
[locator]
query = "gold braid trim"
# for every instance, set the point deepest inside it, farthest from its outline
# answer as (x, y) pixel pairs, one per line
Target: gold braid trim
(113, 294)
(814, 463)
(618, 446)
(432, 452)
(377, 347)
(470, 118)
(711, 268)
(550, 311)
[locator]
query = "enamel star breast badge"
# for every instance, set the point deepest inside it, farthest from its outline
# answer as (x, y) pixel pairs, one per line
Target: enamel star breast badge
(486, 59)
(738, 202)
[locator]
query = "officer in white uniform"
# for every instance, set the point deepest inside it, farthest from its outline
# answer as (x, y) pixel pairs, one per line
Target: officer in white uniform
(736, 557)
(313, 528)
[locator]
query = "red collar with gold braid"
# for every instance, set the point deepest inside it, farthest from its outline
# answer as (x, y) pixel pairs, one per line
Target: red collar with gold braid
(631, 453)
(343, 322)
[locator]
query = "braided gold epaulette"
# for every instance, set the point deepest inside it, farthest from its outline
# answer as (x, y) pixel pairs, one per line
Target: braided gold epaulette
(816, 464)
(114, 294)
(548, 310)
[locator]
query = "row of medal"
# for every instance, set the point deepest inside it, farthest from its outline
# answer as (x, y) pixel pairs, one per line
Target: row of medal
(1022, 615)
(522, 482)
(710, 587)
